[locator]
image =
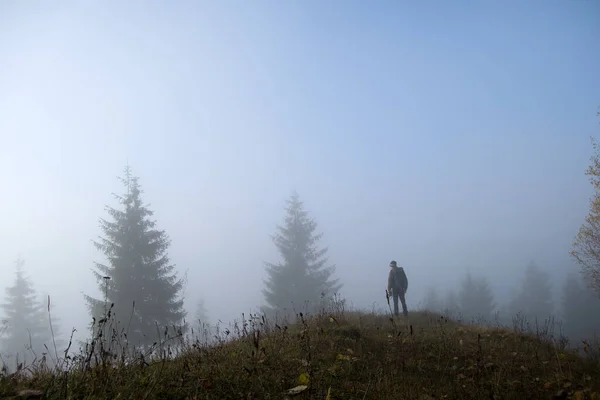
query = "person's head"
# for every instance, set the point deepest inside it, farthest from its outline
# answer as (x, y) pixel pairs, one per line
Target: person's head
(393, 264)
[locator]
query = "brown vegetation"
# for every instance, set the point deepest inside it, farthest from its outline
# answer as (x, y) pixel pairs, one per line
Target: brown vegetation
(334, 355)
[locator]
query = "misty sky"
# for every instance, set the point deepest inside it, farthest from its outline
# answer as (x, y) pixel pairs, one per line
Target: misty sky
(444, 135)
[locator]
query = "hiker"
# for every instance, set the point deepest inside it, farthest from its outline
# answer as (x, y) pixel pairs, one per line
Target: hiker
(397, 286)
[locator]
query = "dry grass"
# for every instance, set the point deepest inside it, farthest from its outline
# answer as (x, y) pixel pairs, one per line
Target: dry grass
(334, 355)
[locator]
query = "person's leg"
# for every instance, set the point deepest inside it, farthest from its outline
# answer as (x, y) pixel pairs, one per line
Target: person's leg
(396, 312)
(404, 309)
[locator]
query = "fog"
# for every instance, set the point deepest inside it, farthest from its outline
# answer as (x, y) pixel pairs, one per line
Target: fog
(448, 137)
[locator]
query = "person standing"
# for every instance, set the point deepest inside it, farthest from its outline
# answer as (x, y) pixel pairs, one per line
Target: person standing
(397, 287)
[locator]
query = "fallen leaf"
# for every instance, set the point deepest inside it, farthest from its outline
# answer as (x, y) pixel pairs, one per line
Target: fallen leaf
(304, 378)
(343, 357)
(328, 397)
(296, 390)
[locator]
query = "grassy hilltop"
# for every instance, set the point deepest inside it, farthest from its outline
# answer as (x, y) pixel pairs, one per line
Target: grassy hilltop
(341, 355)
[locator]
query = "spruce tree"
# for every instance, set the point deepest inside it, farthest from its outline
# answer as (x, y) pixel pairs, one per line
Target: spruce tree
(451, 306)
(138, 280)
(302, 279)
(485, 299)
(201, 322)
(534, 300)
(580, 306)
(26, 330)
(467, 296)
(476, 300)
(201, 314)
(432, 301)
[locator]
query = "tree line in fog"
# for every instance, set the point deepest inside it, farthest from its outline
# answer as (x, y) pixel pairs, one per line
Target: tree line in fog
(141, 292)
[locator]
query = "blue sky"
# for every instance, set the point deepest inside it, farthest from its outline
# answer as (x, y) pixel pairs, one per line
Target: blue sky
(445, 135)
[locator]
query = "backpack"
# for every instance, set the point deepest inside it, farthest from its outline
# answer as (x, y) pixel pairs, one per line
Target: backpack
(400, 278)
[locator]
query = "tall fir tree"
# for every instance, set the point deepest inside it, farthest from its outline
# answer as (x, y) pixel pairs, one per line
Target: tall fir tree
(467, 296)
(302, 279)
(26, 333)
(139, 279)
(201, 314)
(533, 302)
(476, 300)
(485, 296)
(579, 307)
(451, 305)
(432, 301)
(201, 323)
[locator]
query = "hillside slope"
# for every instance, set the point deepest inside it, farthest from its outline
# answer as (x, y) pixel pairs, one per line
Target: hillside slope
(346, 356)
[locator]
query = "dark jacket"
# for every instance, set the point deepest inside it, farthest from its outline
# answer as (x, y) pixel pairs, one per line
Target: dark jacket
(397, 280)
